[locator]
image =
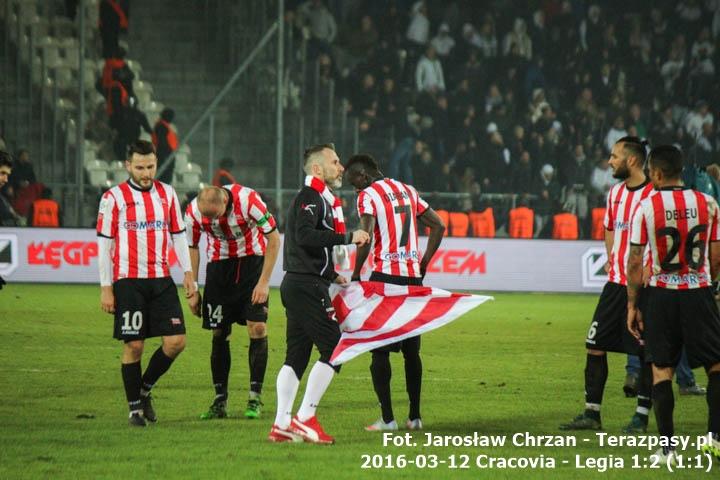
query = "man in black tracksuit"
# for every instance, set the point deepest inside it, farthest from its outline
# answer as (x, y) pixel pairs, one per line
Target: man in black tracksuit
(310, 236)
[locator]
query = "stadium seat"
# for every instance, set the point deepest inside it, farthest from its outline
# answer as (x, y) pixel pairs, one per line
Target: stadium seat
(136, 68)
(598, 229)
(521, 222)
(565, 226)
(459, 224)
(483, 223)
(118, 172)
(445, 217)
(189, 176)
(97, 172)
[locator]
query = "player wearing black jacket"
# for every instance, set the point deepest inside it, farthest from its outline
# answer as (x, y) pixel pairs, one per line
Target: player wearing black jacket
(310, 235)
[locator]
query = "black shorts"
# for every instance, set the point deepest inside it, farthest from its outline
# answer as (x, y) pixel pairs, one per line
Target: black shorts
(147, 307)
(310, 315)
(682, 317)
(608, 330)
(227, 297)
(409, 345)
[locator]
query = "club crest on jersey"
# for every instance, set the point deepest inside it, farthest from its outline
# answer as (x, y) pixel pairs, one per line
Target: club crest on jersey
(308, 207)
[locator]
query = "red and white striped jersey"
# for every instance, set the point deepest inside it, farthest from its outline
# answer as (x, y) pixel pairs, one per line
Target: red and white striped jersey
(396, 207)
(678, 223)
(239, 233)
(140, 222)
(621, 204)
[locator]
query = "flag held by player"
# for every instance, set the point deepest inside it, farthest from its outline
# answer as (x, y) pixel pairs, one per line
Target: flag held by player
(373, 314)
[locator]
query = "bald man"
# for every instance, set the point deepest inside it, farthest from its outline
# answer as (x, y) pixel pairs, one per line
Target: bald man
(242, 247)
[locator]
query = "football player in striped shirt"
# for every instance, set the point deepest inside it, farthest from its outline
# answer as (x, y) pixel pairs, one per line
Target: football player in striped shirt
(137, 222)
(682, 229)
(608, 332)
(242, 247)
(392, 210)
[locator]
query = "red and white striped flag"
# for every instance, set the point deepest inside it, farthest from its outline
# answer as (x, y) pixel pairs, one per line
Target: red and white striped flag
(373, 314)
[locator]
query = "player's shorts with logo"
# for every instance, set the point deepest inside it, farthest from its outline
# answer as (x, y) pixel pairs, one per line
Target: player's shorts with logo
(682, 317)
(608, 330)
(409, 345)
(147, 307)
(227, 297)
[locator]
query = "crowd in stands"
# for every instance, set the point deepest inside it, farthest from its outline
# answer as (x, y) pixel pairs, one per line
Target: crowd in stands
(24, 201)
(519, 97)
(122, 113)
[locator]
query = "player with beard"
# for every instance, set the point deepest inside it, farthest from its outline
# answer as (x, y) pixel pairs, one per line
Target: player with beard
(314, 236)
(137, 222)
(608, 331)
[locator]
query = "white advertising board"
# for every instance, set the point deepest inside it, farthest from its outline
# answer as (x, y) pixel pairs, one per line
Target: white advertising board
(70, 256)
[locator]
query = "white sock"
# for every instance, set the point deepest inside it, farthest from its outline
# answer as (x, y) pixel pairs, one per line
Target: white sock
(287, 387)
(318, 381)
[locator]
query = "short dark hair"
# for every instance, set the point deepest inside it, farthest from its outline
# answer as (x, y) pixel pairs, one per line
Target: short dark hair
(5, 159)
(141, 147)
(364, 160)
(309, 152)
(634, 146)
(168, 114)
(667, 158)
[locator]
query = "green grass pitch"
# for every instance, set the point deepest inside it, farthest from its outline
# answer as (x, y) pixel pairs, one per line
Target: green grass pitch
(512, 365)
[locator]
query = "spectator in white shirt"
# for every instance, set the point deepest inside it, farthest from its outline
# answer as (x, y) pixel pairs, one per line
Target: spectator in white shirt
(695, 119)
(519, 37)
(429, 73)
(418, 31)
(615, 133)
(443, 43)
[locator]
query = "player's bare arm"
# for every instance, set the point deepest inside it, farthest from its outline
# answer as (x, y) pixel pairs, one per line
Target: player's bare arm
(107, 297)
(262, 288)
(714, 259)
(432, 220)
(634, 283)
(609, 239)
(195, 301)
(367, 224)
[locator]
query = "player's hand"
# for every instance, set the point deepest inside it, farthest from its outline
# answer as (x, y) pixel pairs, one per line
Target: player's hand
(340, 280)
(635, 322)
(260, 293)
(189, 285)
(360, 237)
(606, 267)
(195, 303)
(107, 300)
(646, 276)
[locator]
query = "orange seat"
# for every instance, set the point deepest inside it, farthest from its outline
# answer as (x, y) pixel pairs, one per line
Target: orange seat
(521, 222)
(565, 226)
(483, 223)
(459, 224)
(598, 227)
(445, 217)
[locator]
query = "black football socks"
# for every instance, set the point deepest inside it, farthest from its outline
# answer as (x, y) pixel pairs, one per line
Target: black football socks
(158, 365)
(220, 361)
(132, 380)
(664, 400)
(596, 373)
(413, 382)
(257, 359)
(713, 402)
(381, 373)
